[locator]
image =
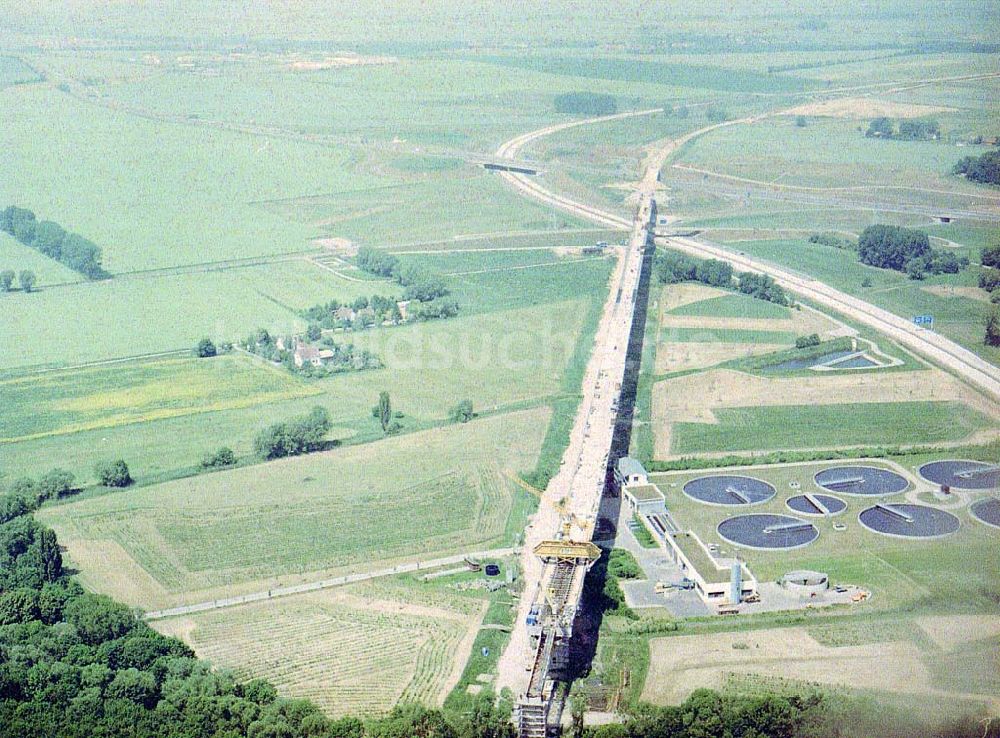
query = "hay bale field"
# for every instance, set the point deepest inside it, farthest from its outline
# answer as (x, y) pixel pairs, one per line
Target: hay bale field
(353, 651)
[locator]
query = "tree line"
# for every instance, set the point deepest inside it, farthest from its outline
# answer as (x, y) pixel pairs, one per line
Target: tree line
(672, 267)
(984, 169)
(585, 103)
(420, 285)
(50, 238)
(906, 129)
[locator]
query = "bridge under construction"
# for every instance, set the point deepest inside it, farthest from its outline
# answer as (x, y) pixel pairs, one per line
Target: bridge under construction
(568, 553)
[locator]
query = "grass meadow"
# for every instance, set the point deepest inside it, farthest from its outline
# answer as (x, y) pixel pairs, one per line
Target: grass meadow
(57, 403)
(342, 510)
(786, 427)
(17, 257)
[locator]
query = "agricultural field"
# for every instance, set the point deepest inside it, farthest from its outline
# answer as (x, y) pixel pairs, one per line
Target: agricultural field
(709, 398)
(789, 657)
(762, 429)
(356, 650)
(55, 403)
(291, 520)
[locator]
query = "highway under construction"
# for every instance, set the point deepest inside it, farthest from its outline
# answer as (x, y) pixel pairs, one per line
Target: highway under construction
(562, 549)
(558, 549)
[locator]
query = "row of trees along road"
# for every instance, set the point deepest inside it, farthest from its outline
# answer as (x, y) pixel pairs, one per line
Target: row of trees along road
(50, 238)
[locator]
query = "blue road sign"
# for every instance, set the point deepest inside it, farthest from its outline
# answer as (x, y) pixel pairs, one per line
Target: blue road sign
(923, 319)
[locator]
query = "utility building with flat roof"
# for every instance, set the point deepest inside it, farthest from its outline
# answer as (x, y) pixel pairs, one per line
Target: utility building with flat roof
(644, 499)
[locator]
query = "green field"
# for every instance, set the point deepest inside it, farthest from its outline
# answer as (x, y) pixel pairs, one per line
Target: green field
(826, 153)
(341, 510)
(733, 306)
(726, 335)
(13, 71)
(828, 426)
(956, 316)
(111, 395)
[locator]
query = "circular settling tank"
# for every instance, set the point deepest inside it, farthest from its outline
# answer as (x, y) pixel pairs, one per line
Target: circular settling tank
(987, 511)
(962, 474)
(816, 504)
(769, 532)
(729, 489)
(868, 481)
(906, 520)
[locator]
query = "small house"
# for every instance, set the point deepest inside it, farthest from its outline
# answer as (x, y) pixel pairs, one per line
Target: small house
(306, 354)
(630, 472)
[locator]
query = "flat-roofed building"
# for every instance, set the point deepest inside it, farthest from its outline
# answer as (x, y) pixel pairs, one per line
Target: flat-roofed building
(717, 582)
(644, 499)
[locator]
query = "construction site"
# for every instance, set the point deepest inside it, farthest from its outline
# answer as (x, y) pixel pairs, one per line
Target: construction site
(559, 548)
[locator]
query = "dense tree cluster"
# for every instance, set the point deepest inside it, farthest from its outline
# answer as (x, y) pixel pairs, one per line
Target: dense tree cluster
(205, 349)
(53, 484)
(672, 267)
(763, 287)
(802, 342)
(984, 169)
(907, 129)
(218, 459)
(892, 247)
(299, 435)
(113, 473)
(363, 313)
(462, 412)
(707, 714)
(585, 103)
(420, 284)
(71, 249)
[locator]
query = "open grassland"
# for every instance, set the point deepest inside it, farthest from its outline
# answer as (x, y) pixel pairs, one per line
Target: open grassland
(354, 651)
(734, 306)
(118, 318)
(342, 510)
(104, 396)
(828, 152)
(13, 71)
(810, 411)
(181, 195)
(761, 429)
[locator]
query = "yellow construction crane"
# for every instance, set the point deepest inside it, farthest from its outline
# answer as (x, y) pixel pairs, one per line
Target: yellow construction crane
(569, 518)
